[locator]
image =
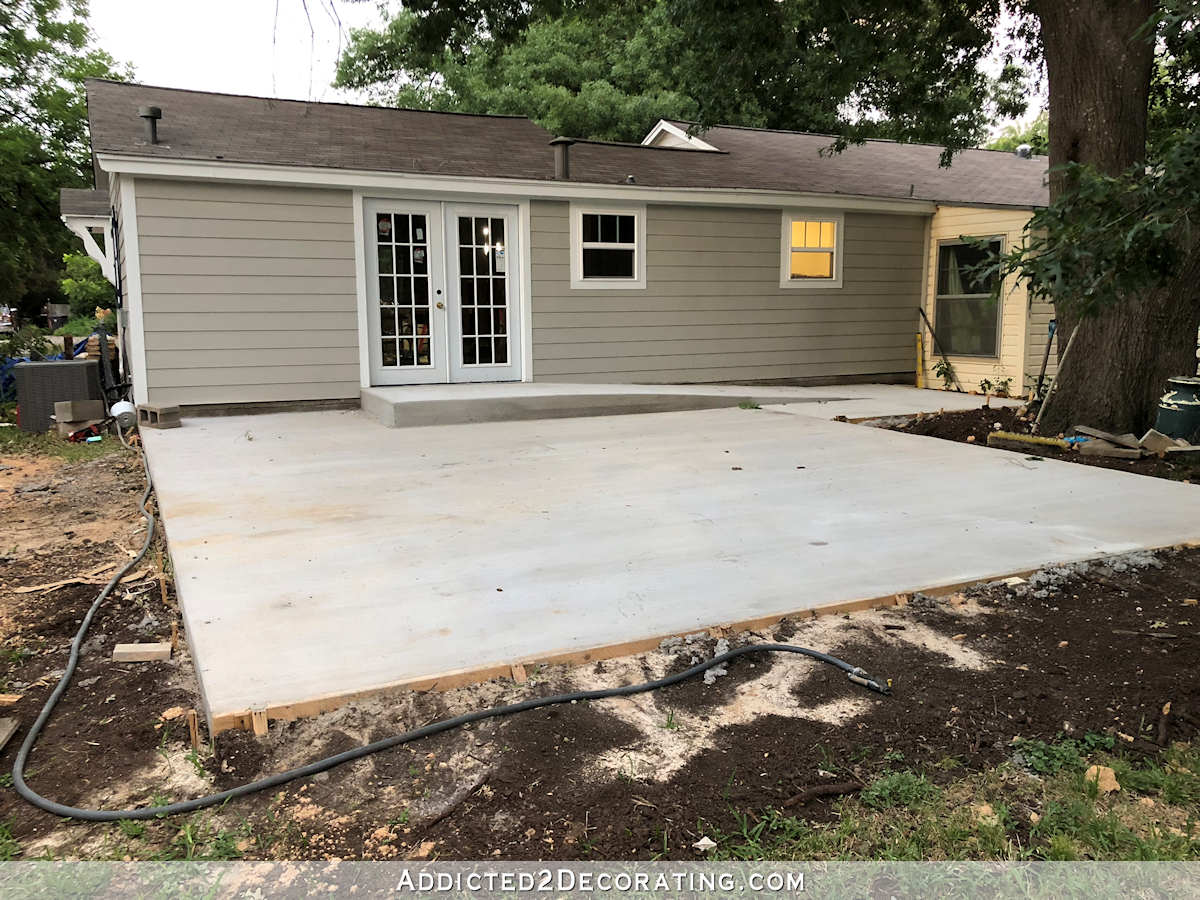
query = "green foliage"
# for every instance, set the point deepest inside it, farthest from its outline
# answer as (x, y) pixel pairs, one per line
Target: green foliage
(590, 74)
(609, 70)
(1049, 816)
(1050, 759)
(1035, 133)
(85, 287)
(1108, 237)
(14, 441)
(26, 341)
(893, 789)
(45, 55)
(944, 370)
(10, 848)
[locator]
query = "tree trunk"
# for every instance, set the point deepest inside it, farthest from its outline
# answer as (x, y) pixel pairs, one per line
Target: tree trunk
(1099, 87)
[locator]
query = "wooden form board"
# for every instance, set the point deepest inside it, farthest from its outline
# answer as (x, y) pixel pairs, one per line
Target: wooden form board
(257, 719)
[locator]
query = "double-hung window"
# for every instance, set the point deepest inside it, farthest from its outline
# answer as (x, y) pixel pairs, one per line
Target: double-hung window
(608, 247)
(811, 249)
(967, 312)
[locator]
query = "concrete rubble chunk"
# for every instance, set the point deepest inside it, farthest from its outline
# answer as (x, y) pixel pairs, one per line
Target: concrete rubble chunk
(1105, 778)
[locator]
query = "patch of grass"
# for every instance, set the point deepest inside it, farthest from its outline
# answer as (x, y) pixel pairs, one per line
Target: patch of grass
(1049, 759)
(132, 828)
(748, 404)
(197, 763)
(672, 723)
(15, 442)
(10, 849)
(899, 789)
(198, 839)
(1005, 813)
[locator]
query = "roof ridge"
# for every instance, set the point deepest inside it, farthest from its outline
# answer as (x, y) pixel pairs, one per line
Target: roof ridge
(835, 137)
(437, 112)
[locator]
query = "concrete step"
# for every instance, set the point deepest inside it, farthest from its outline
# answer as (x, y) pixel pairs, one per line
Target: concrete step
(419, 405)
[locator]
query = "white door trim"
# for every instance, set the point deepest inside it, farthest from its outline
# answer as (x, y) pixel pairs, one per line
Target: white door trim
(522, 282)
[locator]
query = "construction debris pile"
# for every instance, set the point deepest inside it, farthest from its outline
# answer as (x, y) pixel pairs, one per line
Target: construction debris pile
(1094, 442)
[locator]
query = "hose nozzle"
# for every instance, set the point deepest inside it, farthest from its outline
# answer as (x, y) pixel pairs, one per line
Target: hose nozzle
(861, 677)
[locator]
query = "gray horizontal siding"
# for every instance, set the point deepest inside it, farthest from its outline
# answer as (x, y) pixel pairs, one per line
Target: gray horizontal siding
(248, 292)
(713, 309)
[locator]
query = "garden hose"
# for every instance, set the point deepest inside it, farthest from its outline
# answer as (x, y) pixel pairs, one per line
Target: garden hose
(854, 673)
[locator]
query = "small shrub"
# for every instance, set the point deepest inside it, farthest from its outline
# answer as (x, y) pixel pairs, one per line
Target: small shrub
(945, 371)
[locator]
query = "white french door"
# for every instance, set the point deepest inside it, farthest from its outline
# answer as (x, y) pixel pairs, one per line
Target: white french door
(441, 292)
(481, 273)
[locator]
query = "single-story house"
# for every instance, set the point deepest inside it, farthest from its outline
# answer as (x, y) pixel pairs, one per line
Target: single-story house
(270, 251)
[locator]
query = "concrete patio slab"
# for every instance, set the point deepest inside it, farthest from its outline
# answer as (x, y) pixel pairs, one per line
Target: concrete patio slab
(318, 554)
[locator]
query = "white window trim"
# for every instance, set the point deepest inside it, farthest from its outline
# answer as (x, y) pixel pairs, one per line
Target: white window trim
(785, 248)
(937, 262)
(665, 127)
(578, 282)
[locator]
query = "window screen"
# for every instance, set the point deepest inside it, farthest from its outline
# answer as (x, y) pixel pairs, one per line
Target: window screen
(968, 316)
(609, 245)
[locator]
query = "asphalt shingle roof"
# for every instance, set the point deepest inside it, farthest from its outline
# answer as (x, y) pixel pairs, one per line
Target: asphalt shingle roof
(83, 202)
(222, 127)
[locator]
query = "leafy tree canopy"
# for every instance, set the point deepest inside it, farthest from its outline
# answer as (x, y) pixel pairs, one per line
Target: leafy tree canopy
(1035, 133)
(596, 75)
(910, 70)
(84, 286)
(45, 54)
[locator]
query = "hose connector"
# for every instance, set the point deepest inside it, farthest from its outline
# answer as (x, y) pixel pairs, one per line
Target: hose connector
(862, 677)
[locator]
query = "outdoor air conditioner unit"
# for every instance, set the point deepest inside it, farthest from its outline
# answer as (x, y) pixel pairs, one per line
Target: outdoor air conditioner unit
(42, 384)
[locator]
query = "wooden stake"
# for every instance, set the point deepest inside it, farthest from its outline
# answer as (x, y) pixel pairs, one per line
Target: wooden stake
(194, 728)
(162, 587)
(258, 720)
(518, 673)
(174, 637)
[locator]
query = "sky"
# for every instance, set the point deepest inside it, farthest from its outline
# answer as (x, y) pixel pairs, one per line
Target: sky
(233, 46)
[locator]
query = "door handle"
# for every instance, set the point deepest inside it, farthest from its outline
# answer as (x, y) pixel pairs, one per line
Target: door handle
(441, 305)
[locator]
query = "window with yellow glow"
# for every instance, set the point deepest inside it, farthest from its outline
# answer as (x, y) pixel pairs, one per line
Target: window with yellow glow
(813, 243)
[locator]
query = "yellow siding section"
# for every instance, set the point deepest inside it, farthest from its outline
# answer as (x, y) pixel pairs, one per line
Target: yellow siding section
(949, 224)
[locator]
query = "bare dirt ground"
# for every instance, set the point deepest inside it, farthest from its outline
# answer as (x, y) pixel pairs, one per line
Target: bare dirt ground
(973, 426)
(1078, 656)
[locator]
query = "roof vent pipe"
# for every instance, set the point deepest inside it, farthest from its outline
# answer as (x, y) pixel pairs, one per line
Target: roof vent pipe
(562, 159)
(150, 116)
(1025, 151)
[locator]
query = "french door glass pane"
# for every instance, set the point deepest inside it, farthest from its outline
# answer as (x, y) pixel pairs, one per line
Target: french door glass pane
(483, 293)
(403, 253)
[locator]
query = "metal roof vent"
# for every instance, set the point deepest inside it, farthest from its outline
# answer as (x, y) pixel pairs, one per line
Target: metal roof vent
(150, 116)
(562, 159)
(1025, 151)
